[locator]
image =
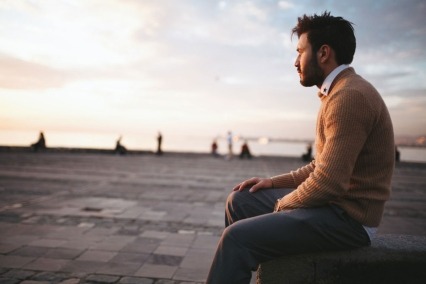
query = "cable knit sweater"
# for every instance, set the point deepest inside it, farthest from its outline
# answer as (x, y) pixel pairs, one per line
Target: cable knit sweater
(354, 154)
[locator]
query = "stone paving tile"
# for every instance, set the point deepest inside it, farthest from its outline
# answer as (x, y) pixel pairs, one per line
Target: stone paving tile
(50, 243)
(198, 259)
(4, 280)
(142, 245)
(63, 253)
(154, 234)
(34, 282)
(171, 250)
(14, 261)
(215, 222)
(31, 251)
(191, 274)
(102, 278)
(138, 219)
(130, 230)
(135, 280)
(156, 271)
(99, 233)
(46, 264)
(79, 244)
(182, 240)
(119, 268)
(67, 233)
(113, 243)
(205, 242)
(82, 266)
(18, 274)
(97, 255)
(130, 257)
(71, 281)
(162, 259)
(7, 248)
(18, 239)
(51, 277)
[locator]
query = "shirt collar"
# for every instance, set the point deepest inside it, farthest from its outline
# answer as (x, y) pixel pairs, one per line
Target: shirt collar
(325, 88)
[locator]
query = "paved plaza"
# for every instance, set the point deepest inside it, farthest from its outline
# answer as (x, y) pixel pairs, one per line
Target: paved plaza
(139, 218)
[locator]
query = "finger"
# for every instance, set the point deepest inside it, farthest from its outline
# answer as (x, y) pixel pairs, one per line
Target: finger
(237, 187)
(240, 186)
(259, 185)
(254, 188)
(243, 185)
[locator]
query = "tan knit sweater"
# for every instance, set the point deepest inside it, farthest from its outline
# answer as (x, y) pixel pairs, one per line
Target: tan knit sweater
(354, 154)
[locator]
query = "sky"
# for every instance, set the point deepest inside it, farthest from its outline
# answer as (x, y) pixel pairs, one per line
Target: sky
(191, 68)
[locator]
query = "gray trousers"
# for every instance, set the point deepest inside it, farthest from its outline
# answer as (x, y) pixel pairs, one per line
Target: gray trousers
(255, 234)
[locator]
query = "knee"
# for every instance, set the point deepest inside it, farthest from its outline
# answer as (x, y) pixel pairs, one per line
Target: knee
(230, 199)
(232, 211)
(234, 198)
(228, 235)
(236, 235)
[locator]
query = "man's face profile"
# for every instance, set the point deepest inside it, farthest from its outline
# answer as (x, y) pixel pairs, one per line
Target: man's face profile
(307, 65)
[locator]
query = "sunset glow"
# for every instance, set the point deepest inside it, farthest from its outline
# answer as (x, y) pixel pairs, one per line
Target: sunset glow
(86, 72)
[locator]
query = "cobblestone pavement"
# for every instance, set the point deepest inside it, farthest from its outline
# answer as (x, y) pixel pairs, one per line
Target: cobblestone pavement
(98, 218)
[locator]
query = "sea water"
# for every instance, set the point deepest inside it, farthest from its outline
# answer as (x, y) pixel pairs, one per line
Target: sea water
(175, 143)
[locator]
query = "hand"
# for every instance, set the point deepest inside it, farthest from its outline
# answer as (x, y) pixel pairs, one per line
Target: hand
(256, 183)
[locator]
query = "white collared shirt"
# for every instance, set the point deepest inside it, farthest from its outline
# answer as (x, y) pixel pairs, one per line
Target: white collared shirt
(330, 78)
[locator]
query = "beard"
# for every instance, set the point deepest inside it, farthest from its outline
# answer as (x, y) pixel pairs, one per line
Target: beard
(312, 74)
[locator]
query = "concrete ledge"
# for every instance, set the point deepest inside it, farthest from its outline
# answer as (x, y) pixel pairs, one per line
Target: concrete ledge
(389, 259)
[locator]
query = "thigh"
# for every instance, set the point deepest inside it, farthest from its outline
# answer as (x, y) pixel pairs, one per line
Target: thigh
(256, 203)
(244, 204)
(297, 231)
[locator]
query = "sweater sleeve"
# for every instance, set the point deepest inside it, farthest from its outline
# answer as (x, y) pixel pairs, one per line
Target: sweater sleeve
(294, 178)
(345, 122)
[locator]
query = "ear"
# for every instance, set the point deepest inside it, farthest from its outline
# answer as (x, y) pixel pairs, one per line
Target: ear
(324, 53)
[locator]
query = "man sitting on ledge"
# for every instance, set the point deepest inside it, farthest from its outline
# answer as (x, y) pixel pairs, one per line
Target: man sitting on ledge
(335, 202)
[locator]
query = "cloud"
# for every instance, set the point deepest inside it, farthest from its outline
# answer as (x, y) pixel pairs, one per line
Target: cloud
(409, 114)
(285, 5)
(212, 62)
(20, 74)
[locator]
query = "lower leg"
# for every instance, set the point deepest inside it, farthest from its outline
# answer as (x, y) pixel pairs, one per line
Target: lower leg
(249, 242)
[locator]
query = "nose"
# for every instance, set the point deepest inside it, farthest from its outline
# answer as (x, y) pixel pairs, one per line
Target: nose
(297, 62)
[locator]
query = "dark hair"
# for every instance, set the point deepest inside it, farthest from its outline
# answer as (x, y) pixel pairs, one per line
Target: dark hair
(336, 32)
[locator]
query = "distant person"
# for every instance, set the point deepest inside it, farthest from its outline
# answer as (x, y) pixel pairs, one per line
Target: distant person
(119, 148)
(245, 151)
(335, 202)
(307, 157)
(40, 144)
(214, 149)
(229, 140)
(159, 142)
(397, 154)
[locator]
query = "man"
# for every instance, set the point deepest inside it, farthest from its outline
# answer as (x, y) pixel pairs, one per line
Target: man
(335, 202)
(40, 144)
(230, 139)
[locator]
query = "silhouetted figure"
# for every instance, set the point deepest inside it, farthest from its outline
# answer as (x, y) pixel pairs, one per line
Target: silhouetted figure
(229, 139)
(308, 155)
(159, 142)
(214, 149)
(397, 154)
(40, 144)
(245, 151)
(120, 149)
